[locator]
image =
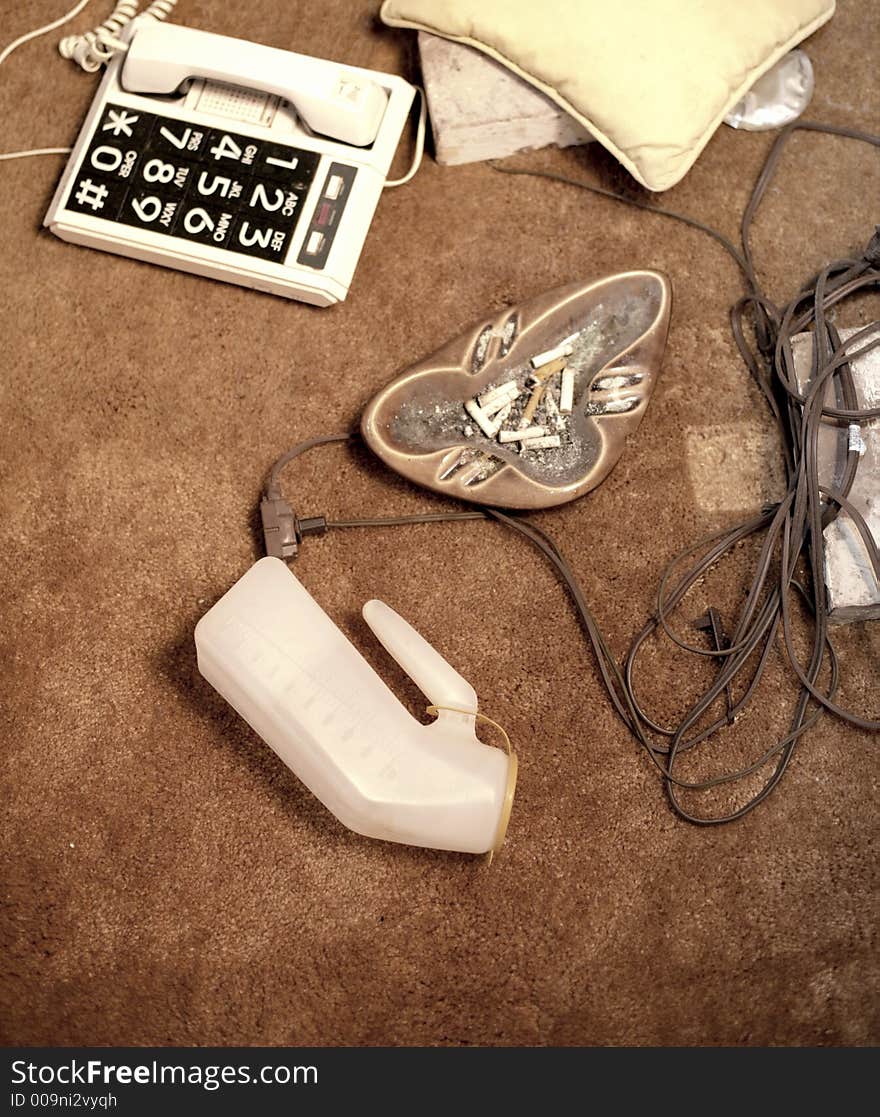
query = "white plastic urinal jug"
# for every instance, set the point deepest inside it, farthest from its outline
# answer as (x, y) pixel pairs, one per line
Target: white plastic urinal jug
(279, 660)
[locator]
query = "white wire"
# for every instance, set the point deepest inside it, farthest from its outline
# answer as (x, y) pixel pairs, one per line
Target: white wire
(36, 151)
(420, 143)
(5, 53)
(88, 46)
(74, 11)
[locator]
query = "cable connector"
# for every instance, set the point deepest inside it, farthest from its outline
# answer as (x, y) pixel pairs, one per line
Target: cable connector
(279, 528)
(283, 531)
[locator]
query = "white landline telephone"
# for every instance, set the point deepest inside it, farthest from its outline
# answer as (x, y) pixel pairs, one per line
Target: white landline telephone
(232, 160)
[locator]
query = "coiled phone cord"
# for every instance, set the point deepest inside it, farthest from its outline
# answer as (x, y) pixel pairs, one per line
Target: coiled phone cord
(93, 49)
(792, 529)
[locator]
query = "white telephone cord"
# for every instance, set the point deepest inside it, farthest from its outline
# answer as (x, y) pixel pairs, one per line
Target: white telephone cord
(5, 53)
(74, 11)
(93, 49)
(420, 142)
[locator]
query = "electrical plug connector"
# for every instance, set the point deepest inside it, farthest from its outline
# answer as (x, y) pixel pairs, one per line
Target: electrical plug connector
(283, 530)
(279, 527)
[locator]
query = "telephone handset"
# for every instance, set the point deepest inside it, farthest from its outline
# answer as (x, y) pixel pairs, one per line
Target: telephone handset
(232, 160)
(332, 100)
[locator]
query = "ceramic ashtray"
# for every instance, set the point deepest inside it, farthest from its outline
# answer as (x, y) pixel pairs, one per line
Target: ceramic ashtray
(533, 408)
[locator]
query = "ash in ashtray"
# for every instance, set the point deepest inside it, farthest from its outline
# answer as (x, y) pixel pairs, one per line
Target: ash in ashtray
(527, 412)
(530, 412)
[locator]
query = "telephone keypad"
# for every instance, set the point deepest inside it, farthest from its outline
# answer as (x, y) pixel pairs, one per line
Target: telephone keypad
(194, 183)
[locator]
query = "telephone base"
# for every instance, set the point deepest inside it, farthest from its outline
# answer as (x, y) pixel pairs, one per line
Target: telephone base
(228, 182)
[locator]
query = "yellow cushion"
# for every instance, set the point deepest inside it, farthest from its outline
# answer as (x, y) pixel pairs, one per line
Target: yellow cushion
(650, 79)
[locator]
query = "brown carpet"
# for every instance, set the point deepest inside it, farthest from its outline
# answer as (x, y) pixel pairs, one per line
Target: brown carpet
(166, 879)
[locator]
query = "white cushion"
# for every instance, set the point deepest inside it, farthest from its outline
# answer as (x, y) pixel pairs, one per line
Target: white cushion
(650, 79)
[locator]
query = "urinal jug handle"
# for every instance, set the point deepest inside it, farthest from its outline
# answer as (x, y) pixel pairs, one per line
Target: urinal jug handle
(436, 679)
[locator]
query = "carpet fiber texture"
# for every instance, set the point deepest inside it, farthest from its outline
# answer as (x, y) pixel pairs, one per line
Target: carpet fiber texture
(166, 879)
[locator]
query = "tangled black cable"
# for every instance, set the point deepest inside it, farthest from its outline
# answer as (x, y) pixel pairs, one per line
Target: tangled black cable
(792, 529)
